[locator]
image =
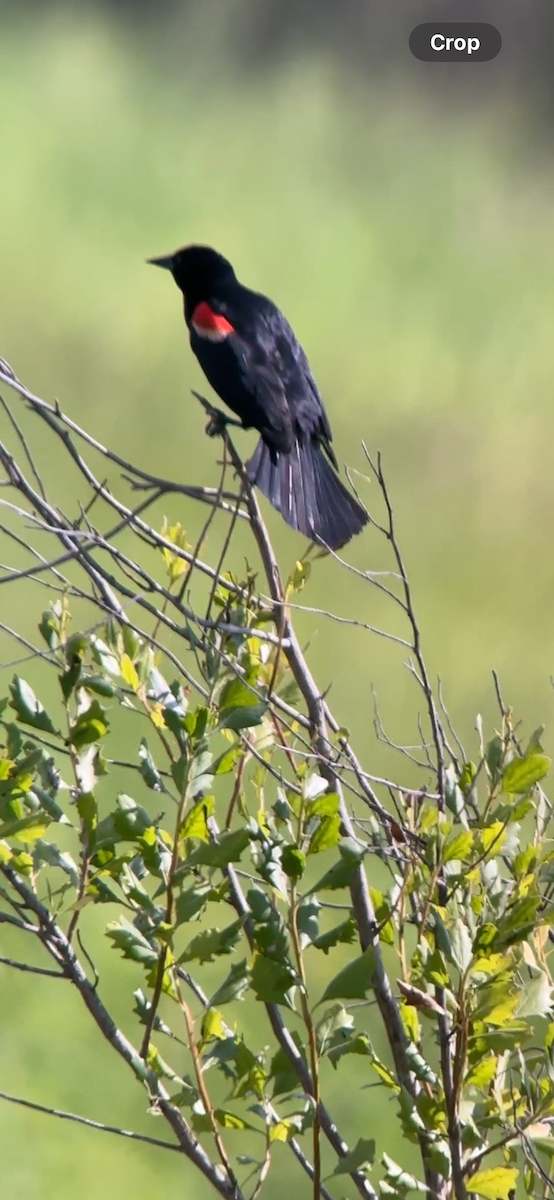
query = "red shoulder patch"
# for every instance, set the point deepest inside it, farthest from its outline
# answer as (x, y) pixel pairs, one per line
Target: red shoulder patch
(206, 323)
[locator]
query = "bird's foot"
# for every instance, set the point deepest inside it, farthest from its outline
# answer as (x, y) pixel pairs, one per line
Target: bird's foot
(218, 422)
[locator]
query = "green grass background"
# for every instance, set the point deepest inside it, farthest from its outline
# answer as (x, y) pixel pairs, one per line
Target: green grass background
(412, 248)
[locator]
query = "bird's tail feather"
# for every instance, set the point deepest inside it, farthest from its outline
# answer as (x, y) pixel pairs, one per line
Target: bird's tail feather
(308, 493)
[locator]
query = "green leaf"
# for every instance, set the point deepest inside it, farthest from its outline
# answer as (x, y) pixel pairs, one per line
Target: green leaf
(242, 717)
(143, 1008)
(236, 694)
(346, 932)
(233, 987)
(522, 773)
(399, 1180)
(193, 901)
(229, 848)
(340, 874)
(325, 806)
(359, 1044)
(179, 771)
(195, 824)
(26, 829)
(363, 1155)
(293, 862)
(70, 678)
(494, 756)
(483, 1073)
(460, 941)
(49, 628)
(315, 787)
(307, 921)
(326, 836)
(131, 942)
(103, 655)
(271, 980)
(130, 820)
(467, 776)
(212, 944)
(213, 1026)
(49, 853)
(496, 1183)
(354, 981)
(229, 1120)
(97, 683)
(28, 707)
(282, 1071)
(90, 726)
(496, 1004)
(459, 846)
(299, 576)
(148, 768)
(129, 672)
(518, 922)
(536, 997)
(228, 760)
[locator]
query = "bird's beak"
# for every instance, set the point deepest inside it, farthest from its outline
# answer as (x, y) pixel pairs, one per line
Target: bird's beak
(166, 261)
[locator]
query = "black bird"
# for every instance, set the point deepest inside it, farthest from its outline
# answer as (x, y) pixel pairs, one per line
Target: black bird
(253, 361)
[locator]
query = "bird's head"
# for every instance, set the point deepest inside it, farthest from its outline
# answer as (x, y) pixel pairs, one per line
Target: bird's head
(196, 269)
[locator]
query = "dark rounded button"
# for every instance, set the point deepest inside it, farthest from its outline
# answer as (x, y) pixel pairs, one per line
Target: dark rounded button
(455, 41)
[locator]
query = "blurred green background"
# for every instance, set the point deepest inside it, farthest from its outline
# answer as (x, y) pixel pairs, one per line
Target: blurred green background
(403, 219)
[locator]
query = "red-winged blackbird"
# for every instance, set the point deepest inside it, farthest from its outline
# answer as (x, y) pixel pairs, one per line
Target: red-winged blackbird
(252, 359)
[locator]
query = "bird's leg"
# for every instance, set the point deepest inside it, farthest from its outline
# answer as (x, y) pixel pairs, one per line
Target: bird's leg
(218, 422)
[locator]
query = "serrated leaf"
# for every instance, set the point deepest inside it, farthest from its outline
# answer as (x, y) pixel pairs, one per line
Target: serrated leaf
(314, 787)
(229, 848)
(299, 576)
(212, 944)
(230, 1120)
(284, 1130)
(359, 1044)
(131, 942)
(49, 628)
(307, 921)
(341, 873)
(293, 862)
(90, 726)
(195, 824)
(26, 829)
(461, 945)
(326, 835)
(483, 1073)
(28, 707)
(354, 981)
(148, 768)
(213, 1026)
(193, 901)
(47, 852)
(327, 805)
(228, 760)
(88, 810)
(271, 980)
(522, 773)
(346, 933)
(459, 846)
(233, 987)
(179, 772)
(496, 1183)
(242, 717)
(363, 1155)
(535, 997)
(282, 1072)
(130, 672)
